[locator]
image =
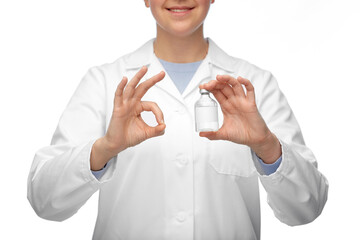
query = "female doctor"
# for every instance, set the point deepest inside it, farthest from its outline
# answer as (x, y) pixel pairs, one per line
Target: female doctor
(162, 180)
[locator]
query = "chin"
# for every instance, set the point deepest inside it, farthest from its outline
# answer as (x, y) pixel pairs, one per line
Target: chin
(183, 31)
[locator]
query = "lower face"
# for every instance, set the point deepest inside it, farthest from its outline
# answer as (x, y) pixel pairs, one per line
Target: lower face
(179, 18)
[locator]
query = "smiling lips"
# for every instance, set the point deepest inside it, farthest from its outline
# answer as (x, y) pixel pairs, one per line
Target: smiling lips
(179, 9)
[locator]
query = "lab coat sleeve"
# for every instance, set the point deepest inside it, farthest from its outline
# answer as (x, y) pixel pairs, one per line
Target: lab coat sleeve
(60, 180)
(297, 191)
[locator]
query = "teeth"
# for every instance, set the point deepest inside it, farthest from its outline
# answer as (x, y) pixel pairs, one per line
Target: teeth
(179, 10)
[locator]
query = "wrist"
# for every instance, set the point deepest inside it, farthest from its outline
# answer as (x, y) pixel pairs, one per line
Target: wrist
(109, 148)
(268, 150)
(101, 153)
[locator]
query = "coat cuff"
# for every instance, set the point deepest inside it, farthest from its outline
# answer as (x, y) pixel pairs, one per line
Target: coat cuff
(106, 173)
(269, 169)
(277, 175)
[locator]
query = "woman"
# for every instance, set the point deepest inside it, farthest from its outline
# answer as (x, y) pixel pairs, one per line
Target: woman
(165, 181)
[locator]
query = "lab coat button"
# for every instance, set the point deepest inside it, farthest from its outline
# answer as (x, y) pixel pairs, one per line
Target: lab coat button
(183, 161)
(180, 217)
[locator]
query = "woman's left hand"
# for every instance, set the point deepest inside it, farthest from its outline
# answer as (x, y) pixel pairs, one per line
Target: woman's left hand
(243, 123)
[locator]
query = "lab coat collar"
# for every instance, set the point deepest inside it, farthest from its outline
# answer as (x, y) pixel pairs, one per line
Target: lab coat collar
(143, 56)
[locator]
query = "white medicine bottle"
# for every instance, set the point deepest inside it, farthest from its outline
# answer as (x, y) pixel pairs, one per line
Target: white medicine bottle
(206, 113)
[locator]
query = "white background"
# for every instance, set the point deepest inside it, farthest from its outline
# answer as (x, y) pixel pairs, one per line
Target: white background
(311, 46)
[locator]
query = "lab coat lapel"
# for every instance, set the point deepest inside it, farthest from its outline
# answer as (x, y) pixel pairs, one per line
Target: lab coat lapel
(203, 74)
(166, 84)
(215, 59)
(144, 56)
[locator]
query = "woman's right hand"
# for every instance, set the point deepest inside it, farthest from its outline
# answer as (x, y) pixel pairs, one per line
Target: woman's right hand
(126, 127)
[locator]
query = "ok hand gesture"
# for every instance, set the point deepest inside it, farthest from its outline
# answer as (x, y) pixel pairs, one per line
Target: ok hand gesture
(126, 127)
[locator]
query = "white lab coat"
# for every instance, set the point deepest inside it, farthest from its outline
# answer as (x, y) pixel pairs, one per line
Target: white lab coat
(179, 185)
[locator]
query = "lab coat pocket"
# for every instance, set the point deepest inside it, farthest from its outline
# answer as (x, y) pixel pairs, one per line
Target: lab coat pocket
(230, 158)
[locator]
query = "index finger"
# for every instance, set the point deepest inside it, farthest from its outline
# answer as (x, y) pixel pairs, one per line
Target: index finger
(130, 88)
(233, 82)
(146, 85)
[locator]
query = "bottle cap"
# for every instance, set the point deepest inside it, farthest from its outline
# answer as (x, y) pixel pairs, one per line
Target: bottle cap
(204, 91)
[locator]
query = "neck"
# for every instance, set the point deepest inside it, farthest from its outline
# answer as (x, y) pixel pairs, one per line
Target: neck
(177, 49)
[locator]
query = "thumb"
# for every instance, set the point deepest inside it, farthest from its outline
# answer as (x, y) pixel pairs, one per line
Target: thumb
(210, 135)
(156, 131)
